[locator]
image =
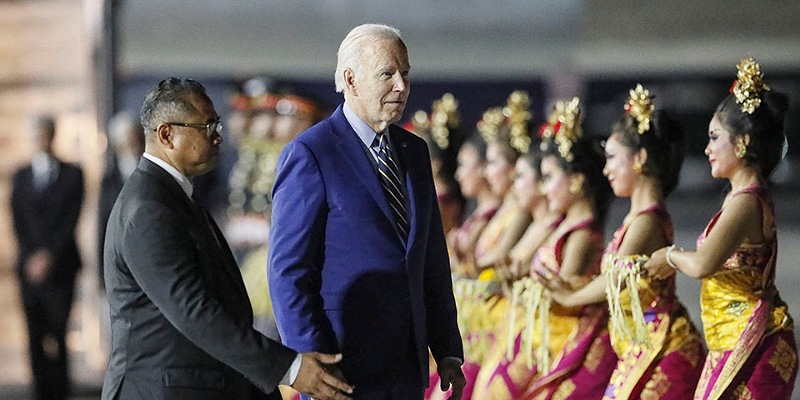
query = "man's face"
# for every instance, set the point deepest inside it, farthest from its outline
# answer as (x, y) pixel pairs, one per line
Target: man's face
(194, 152)
(379, 89)
(43, 138)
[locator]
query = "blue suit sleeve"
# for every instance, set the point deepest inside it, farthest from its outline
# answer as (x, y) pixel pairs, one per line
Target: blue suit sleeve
(297, 240)
(444, 339)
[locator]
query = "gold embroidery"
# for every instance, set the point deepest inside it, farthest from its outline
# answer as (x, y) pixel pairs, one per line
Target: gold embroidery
(742, 393)
(595, 355)
(541, 396)
(657, 386)
(564, 390)
(784, 360)
(621, 374)
(708, 370)
(498, 389)
(691, 354)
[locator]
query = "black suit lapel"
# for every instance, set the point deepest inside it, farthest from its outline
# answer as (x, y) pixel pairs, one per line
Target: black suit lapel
(222, 253)
(208, 237)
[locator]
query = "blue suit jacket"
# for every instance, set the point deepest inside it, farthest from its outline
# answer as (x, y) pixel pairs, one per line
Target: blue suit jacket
(341, 278)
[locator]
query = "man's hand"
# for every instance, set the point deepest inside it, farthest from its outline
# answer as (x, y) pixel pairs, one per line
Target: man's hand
(37, 267)
(450, 375)
(320, 378)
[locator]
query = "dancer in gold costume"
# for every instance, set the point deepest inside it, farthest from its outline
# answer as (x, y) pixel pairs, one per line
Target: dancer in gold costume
(501, 376)
(568, 348)
(658, 348)
(748, 330)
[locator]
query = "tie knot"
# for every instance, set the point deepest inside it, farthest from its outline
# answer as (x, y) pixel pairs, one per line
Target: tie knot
(382, 140)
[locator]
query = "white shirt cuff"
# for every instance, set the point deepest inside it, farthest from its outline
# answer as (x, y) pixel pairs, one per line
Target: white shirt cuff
(291, 374)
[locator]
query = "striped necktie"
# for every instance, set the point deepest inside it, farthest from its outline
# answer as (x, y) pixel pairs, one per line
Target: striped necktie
(389, 175)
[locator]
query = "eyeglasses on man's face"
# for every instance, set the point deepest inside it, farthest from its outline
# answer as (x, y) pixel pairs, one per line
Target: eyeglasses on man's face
(214, 127)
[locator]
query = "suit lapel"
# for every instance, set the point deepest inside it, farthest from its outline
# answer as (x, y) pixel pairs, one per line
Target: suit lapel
(224, 253)
(211, 240)
(352, 150)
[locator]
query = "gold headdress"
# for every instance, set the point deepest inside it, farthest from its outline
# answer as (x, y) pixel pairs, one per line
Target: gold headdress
(563, 127)
(640, 106)
(749, 85)
(439, 125)
(444, 118)
(517, 110)
(489, 125)
(509, 123)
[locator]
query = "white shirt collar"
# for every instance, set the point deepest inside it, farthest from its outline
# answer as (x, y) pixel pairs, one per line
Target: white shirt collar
(41, 162)
(362, 129)
(182, 180)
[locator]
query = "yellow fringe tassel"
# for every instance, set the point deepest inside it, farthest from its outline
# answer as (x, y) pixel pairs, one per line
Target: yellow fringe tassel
(625, 272)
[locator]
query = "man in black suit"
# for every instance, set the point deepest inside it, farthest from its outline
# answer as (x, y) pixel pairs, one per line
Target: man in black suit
(46, 200)
(181, 320)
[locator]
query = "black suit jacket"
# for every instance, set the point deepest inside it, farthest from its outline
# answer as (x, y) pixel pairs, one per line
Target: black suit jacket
(110, 186)
(181, 320)
(47, 219)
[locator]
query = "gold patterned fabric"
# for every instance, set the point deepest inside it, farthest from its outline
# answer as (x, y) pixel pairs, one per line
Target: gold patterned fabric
(508, 213)
(745, 321)
(667, 360)
(728, 298)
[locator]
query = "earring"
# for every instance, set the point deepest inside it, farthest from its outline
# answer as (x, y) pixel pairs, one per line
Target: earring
(637, 167)
(575, 187)
(740, 151)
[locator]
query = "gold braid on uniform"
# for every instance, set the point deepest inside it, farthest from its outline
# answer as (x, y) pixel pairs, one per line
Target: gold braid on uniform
(640, 107)
(566, 128)
(749, 85)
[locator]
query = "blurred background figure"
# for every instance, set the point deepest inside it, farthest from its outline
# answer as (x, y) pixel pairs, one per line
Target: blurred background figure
(442, 132)
(125, 147)
(264, 117)
(46, 201)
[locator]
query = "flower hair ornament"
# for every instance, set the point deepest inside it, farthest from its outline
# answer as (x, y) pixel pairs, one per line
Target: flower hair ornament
(443, 119)
(563, 127)
(640, 107)
(509, 123)
(749, 85)
(489, 125)
(518, 114)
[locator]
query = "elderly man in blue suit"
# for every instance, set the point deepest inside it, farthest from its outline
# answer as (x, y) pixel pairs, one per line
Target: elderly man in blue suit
(358, 262)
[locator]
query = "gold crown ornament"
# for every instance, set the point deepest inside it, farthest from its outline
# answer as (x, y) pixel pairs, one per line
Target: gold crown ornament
(517, 111)
(489, 125)
(749, 85)
(444, 118)
(640, 107)
(563, 127)
(508, 123)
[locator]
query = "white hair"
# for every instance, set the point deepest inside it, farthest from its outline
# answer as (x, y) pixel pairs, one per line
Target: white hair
(349, 54)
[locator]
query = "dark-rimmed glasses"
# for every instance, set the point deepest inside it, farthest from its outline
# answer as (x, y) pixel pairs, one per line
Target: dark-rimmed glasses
(211, 127)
